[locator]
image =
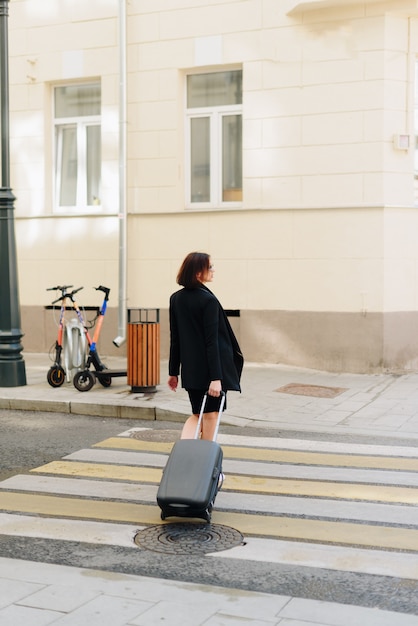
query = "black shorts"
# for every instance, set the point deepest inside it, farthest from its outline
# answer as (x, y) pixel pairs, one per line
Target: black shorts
(196, 399)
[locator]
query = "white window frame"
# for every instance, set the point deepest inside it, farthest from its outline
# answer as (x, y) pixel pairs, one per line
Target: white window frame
(215, 115)
(81, 123)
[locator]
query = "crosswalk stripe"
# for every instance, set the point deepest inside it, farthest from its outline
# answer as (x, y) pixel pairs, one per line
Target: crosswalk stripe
(79, 508)
(102, 470)
(344, 533)
(276, 456)
(249, 484)
(63, 485)
(337, 558)
(86, 531)
(315, 445)
(312, 445)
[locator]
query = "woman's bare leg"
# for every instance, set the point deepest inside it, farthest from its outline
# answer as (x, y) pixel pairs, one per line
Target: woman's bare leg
(189, 428)
(209, 425)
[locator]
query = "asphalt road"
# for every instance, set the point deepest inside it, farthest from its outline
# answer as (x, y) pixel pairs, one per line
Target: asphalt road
(30, 439)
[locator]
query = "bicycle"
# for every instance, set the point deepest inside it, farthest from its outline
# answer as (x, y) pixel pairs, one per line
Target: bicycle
(71, 339)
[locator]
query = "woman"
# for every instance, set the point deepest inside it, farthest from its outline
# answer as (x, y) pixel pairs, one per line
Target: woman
(202, 344)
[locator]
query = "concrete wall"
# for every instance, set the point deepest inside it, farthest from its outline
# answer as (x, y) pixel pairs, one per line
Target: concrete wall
(321, 258)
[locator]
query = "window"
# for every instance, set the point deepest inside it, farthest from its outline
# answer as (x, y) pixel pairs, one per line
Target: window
(214, 140)
(77, 145)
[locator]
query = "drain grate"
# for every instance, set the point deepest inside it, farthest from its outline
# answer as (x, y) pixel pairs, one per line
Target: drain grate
(316, 391)
(192, 539)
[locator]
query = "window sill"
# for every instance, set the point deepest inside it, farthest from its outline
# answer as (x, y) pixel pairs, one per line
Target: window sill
(299, 6)
(73, 210)
(226, 206)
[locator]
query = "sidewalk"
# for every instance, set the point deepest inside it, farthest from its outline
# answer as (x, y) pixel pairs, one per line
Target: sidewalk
(273, 397)
(308, 403)
(37, 594)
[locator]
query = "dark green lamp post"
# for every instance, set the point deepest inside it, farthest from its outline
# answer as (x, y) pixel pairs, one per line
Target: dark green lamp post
(12, 365)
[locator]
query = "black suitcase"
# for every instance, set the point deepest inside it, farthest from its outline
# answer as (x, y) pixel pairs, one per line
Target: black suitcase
(192, 475)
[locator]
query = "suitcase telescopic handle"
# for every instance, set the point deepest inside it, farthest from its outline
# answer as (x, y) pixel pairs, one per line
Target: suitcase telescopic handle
(202, 410)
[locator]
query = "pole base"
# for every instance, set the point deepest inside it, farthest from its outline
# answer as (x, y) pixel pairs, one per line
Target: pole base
(12, 373)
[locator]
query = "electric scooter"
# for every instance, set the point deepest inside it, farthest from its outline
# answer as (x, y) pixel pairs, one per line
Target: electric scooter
(70, 345)
(85, 379)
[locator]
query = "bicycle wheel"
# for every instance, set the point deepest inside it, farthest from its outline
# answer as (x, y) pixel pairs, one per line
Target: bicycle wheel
(84, 380)
(55, 375)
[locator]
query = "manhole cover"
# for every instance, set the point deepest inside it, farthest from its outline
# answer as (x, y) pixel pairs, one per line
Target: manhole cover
(317, 391)
(188, 538)
(156, 435)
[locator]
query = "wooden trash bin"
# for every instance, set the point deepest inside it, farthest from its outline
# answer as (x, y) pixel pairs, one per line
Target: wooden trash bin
(143, 367)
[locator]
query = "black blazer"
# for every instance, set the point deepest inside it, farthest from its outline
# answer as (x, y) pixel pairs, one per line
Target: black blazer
(202, 342)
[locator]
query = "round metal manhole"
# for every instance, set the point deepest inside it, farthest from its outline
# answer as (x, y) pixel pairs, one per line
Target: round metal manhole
(316, 391)
(168, 436)
(191, 539)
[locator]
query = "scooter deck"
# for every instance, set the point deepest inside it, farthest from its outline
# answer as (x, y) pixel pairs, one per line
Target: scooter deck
(110, 373)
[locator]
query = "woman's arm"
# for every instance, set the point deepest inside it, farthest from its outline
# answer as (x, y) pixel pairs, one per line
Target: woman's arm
(211, 333)
(174, 357)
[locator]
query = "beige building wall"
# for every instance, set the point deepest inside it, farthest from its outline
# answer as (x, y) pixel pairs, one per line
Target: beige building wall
(321, 257)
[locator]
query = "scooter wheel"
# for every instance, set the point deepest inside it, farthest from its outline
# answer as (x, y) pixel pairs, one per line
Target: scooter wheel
(105, 381)
(56, 376)
(84, 380)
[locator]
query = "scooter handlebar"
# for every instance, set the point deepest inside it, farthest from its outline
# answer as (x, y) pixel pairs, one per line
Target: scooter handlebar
(65, 294)
(59, 288)
(106, 290)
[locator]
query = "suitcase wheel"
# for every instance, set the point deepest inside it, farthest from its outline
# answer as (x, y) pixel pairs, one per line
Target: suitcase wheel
(162, 515)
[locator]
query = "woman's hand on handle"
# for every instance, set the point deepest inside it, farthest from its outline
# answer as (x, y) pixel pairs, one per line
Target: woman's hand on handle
(215, 388)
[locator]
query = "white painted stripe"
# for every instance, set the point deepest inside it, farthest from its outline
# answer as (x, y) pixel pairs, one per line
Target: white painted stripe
(395, 564)
(84, 488)
(68, 530)
(307, 445)
(319, 508)
(331, 474)
(119, 457)
(319, 446)
(256, 468)
(228, 501)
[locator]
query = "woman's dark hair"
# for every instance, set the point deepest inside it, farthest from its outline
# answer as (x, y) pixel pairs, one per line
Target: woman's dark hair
(193, 264)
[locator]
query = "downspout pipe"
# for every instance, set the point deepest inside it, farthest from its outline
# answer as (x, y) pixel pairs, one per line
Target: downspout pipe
(122, 215)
